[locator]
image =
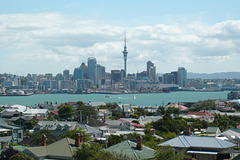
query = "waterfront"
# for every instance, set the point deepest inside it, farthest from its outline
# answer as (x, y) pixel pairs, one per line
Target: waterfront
(146, 99)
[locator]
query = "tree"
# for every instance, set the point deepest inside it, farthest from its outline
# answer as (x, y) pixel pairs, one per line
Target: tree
(37, 137)
(87, 151)
(87, 111)
(65, 112)
(114, 139)
(30, 123)
(72, 133)
(161, 110)
(20, 156)
(167, 153)
(6, 154)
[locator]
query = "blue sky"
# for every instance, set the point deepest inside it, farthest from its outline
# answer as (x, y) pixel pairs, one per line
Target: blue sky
(48, 36)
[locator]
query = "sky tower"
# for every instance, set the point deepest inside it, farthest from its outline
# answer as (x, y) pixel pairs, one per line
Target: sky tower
(125, 52)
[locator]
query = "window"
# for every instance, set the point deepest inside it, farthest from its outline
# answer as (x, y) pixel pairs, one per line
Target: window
(19, 135)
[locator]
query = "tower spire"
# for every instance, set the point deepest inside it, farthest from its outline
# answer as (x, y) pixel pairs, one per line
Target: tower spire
(125, 52)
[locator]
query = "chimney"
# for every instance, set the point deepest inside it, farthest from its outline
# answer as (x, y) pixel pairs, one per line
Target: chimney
(139, 142)
(44, 140)
(81, 137)
(56, 102)
(47, 102)
(3, 145)
(104, 119)
(77, 140)
(187, 132)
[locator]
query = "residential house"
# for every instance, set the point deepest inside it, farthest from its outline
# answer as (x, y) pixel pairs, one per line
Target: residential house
(133, 150)
(201, 148)
(204, 115)
(53, 113)
(91, 131)
(213, 131)
(10, 133)
(104, 113)
(125, 109)
(181, 108)
(50, 106)
(231, 135)
(56, 127)
(96, 105)
(148, 119)
(61, 150)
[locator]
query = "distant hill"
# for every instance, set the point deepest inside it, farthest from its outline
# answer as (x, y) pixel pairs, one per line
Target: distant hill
(221, 75)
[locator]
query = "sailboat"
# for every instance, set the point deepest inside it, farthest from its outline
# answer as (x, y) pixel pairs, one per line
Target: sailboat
(134, 97)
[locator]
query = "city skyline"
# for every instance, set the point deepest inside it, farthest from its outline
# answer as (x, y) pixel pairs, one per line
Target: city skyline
(49, 37)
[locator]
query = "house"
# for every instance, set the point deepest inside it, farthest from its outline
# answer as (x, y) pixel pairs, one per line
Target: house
(56, 127)
(96, 105)
(10, 133)
(53, 113)
(50, 106)
(133, 150)
(36, 112)
(116, 125)
(204, 115)
(104, 112)
(231, 135)
(7, 115)
(91, 131)
(213, 130)
(201, 148)
(125, 109)
(148, 119)
(35, 140)
(181, 108)
(62, 149)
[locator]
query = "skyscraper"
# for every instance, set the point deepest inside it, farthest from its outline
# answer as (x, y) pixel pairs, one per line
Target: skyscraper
(125, 52)
(151, 71)
(182, 77)
(92, 69)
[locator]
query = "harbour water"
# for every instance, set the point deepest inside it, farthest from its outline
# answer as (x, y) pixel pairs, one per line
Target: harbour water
(146, 99)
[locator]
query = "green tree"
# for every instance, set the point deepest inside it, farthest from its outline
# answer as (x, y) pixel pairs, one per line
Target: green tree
(167, 153)
(65, 112)
(114, 139)
(37, 137)
(30, 123)
(87, 151)
(20, 156)
(6, 154)
(161, 110)
(72, 133)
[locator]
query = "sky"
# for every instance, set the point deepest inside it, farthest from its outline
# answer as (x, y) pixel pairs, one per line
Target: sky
(49, 36)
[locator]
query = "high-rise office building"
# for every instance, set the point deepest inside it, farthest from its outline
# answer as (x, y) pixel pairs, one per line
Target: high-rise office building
(66, 74)
(168, 78)
(151, 70)
(84, 69)
(77, 74)
(125, 52)
(116, 75)
(100, 75)
(182, 77)
(92, 69)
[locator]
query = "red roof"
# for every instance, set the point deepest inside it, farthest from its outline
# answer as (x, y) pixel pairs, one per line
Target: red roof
(133, 124)
(54, 112)
(204, 113)
(40, 118)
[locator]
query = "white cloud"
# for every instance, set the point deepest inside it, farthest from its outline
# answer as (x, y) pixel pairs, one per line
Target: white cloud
(52, 38)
